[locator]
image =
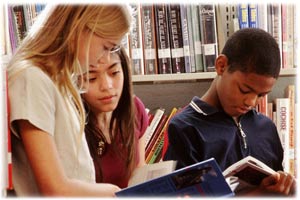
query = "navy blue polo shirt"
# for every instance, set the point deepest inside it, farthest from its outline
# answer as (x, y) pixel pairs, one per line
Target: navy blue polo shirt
(201, 131)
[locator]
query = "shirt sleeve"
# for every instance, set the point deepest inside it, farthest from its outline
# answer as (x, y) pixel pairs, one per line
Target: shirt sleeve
(179, 147)
(31, 95)
(141, 117)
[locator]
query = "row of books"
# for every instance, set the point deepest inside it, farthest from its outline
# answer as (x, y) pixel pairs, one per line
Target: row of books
(17, 19)
(178, 38)
(183, 38)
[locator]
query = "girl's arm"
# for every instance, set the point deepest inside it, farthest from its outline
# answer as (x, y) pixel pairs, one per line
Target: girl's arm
(47, 168)
(141, 146)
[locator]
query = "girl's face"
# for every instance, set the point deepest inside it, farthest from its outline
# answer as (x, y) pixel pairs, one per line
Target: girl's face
(105, 85)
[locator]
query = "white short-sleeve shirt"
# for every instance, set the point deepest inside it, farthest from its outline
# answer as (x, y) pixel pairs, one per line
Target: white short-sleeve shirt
(34, 97)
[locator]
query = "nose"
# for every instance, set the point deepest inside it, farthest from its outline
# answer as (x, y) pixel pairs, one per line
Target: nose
(251, 100)
(105, 83)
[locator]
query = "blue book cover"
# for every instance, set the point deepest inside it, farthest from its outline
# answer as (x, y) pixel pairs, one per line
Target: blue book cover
(200, 179)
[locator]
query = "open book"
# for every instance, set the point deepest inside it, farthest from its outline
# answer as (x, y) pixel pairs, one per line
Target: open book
(246, 173)
(200, 179)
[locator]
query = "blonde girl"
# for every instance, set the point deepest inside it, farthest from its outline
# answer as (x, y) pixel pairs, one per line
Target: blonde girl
(49, 151)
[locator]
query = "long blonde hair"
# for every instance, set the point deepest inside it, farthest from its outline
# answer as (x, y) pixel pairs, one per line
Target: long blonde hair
(53, 43)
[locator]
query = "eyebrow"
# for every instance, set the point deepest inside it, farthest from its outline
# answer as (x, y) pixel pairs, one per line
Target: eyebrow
(93, 70)
(250, 88)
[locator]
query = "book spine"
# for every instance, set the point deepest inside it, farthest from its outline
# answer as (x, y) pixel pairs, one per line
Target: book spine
(163, 39)
(176, 39)
(149, 39)
(262, 9)
(208, 35)
(283, 127)
(275, 24)
(243, 15)
(20, 21)
(157, 150)
(185, 37)
(135, 42)
(197, 38)
(290, 94)
(191, 40)
(154, 123)
(287, 14)
(253, 15)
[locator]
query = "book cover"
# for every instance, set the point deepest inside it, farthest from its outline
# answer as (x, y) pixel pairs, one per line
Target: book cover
(163, 39)
(208, 35)
(201, 179)
(249, 170)
(135, 42)
(149, 39)
(176, 40)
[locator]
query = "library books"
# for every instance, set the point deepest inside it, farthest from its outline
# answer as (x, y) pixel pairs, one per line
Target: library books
(201, 179)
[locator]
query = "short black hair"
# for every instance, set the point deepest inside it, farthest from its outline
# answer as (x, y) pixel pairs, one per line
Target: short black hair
(253, 50)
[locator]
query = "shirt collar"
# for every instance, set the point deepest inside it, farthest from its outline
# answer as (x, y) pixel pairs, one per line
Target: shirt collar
(205, 109)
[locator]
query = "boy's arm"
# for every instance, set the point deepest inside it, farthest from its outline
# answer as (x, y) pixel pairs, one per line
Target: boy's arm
(177, 148)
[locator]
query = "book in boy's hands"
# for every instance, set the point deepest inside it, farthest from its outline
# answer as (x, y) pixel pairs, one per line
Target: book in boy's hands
(200, 179)
(249, 170)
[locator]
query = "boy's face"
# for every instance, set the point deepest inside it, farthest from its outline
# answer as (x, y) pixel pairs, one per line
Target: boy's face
(239, 92)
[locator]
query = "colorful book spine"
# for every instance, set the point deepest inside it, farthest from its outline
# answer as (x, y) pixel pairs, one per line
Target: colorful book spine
(208, 35)
(163, 39)
(176, 39)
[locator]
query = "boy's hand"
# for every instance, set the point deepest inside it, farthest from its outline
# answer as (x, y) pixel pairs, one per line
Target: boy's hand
(280, 182)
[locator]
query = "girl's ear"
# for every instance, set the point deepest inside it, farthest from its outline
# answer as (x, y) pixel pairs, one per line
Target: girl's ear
(221, 64)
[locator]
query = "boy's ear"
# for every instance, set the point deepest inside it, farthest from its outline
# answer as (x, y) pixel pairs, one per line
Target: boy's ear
(221, 64)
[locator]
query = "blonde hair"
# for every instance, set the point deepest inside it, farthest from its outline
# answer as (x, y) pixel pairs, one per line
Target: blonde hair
(53, 43)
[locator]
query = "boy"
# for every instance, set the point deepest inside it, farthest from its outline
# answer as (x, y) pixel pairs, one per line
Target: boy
(223, 123)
